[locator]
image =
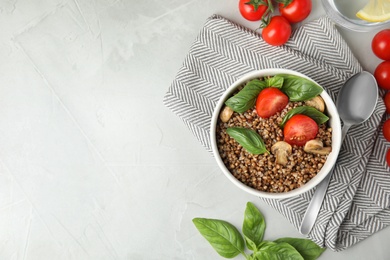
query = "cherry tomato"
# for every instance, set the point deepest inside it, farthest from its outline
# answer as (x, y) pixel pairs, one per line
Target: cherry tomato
(277, 32)
(252, 10)
(270, 101)
(386, 130)
(387, 102)
(299, 129)
(296, 11)
(388, 157)
(381, 44)
(382, 75)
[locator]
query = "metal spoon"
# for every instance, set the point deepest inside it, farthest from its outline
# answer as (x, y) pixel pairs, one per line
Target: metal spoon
(355, 103)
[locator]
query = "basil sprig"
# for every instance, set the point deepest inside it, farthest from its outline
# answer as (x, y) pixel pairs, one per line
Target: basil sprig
(248, 138)
(316, 115)
(228, 241)
(298, 88)
(246, 98)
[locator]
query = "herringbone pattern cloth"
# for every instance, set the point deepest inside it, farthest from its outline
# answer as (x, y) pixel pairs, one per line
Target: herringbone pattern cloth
(357, 201)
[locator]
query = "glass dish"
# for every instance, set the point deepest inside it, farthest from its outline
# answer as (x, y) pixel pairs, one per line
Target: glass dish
(343, 13)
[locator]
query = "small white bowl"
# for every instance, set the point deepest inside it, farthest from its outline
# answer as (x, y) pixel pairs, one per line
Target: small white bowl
(334, 122)
(343, 13)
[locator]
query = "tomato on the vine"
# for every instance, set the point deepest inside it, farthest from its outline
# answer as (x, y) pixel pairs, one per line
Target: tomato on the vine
(386, 130)
(296, 10)
(270, 101)
(299, 129)
(253, 10)
(387, 102)
(277, 32)
(381, 44)
(382, 75)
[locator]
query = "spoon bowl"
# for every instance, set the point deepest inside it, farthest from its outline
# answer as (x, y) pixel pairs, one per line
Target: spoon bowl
(355, 103)
(357, 98)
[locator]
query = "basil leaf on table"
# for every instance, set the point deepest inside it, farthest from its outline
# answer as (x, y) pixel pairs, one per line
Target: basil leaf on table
(275, 81)
(277, 251)
(307, 248)
(265, 244)
(316, 115)
(250, 244)
(222, 236)
(253, 226)
(298, 88)
(246, 98)
(248, 138)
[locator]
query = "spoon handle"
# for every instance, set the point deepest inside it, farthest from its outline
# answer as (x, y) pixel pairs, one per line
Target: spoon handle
(316, 201)
(344, 131)
(314, 207)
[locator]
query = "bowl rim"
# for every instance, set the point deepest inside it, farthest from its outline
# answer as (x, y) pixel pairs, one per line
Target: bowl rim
(347, 23)
(334, 122)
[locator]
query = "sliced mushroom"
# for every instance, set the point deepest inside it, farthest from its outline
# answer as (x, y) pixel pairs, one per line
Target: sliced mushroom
(316, 102)
(226, 114)
(281, 150)
(317, 147)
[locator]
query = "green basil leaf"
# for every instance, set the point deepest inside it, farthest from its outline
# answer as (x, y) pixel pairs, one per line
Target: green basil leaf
(316, 115)
(277, 251)
(307, 248)
(248, 138)
(222, 236)
(298, 88)
(275, 81)
(265, 244)
(253, 226)
(249, 243)
(246, 98)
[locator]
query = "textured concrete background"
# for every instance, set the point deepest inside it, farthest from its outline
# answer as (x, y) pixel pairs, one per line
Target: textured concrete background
(92, 165)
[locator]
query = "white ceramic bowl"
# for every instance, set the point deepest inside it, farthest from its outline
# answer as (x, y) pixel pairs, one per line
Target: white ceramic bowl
(334, 122)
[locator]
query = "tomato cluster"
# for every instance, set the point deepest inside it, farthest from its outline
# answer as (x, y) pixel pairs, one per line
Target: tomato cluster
(380, 46)
(276, 29)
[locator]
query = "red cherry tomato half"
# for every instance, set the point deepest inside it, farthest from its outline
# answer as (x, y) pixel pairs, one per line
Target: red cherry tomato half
(299, 129)
(387, 102)
(277, 32)
(388, 157)
(382, 75)
(381, 44)
(296, 11)
(270, 101)
(251, 9)
(386, 130)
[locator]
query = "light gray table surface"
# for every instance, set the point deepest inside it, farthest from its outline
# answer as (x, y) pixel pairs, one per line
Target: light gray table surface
(92, 165)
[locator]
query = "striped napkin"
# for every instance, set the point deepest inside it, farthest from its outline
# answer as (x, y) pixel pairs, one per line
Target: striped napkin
(357, 201)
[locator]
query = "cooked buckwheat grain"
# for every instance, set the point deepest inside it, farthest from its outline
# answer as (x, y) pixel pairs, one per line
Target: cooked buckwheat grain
(260, 171)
